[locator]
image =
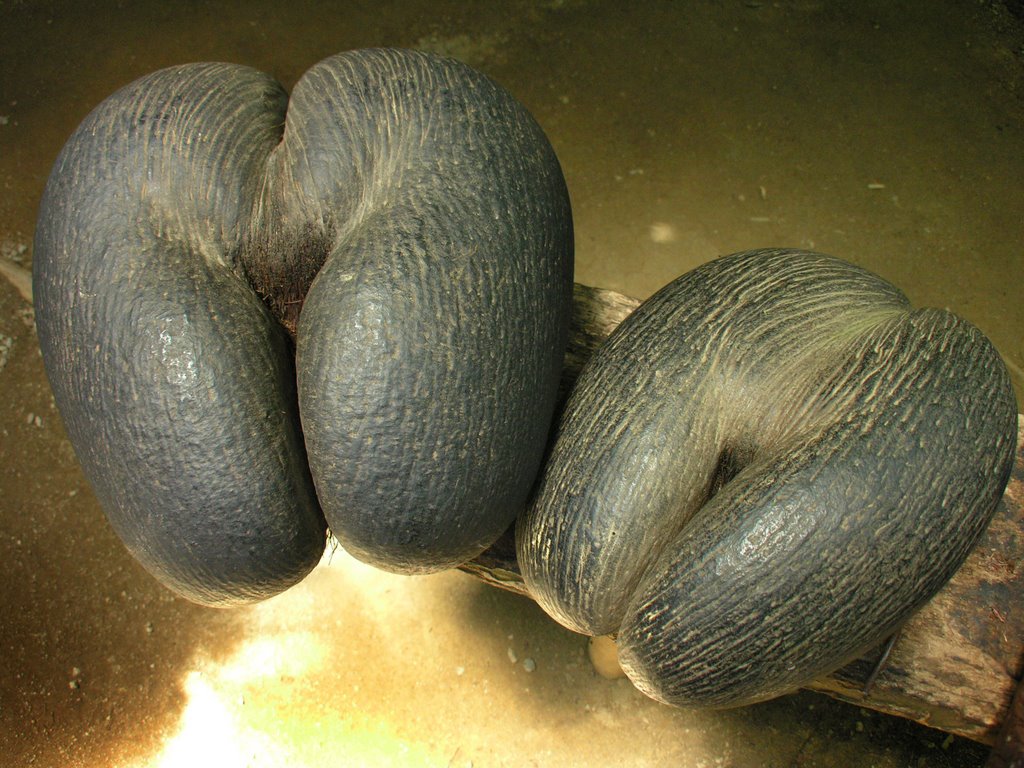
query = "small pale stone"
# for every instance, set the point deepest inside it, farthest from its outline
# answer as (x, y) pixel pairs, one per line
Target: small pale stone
(512, 655)
(529, 665)
(662, 232)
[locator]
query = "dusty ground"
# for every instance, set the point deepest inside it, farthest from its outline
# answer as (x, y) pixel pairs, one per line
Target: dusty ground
(889, 134)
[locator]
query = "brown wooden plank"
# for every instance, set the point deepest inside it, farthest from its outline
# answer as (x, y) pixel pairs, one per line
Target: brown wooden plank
(954, 666)
(1008, 751)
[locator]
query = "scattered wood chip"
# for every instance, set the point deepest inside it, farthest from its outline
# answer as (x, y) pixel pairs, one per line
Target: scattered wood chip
(19, 277)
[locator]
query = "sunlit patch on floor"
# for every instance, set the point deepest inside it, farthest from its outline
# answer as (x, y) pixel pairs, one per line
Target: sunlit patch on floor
(235, 725)
(265, 705)
(210, 733)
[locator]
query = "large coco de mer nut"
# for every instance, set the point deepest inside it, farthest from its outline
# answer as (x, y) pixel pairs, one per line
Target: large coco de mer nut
(416, 214)
(765, 470)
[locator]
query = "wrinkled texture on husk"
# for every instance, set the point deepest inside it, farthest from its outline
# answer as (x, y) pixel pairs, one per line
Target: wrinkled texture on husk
(763, 471)
(419, 213)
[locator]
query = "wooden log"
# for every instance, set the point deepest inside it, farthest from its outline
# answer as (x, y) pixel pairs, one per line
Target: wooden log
(1008, 751)
(954, 665)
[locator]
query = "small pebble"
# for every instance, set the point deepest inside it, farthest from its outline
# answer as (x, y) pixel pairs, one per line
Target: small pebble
(460, 671)
(512, 656)
(6, 344)
(529, 665)
(662, 232)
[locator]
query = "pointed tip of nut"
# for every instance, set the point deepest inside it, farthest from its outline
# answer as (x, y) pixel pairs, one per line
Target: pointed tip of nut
(604, 655)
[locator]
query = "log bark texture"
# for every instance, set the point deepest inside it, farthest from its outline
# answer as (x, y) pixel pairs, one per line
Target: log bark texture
(954, 666)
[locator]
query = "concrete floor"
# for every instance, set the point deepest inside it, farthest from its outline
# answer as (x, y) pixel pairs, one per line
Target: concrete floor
(891, 134)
